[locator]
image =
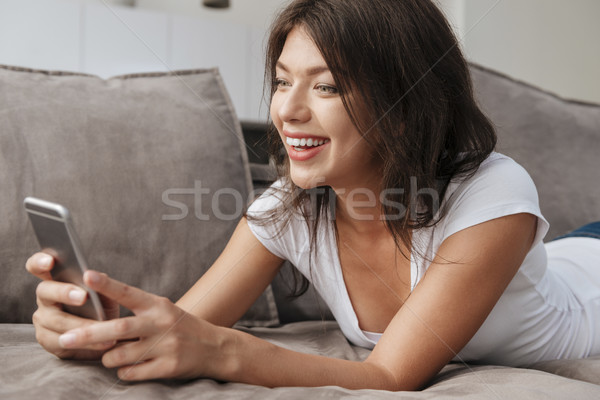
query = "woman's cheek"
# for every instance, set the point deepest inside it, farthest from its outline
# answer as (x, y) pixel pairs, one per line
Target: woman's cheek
(274, 111)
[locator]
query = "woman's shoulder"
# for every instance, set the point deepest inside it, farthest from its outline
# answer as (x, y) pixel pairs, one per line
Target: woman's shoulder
(499, 162)
(270, 198)
(499, 187)
(275, 207)
(275, 222)
(498, 172)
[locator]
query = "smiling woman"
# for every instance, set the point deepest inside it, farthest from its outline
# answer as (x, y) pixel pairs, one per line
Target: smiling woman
(424, 242)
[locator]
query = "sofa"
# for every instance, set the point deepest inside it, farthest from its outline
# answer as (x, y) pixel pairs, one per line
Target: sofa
(157, 170)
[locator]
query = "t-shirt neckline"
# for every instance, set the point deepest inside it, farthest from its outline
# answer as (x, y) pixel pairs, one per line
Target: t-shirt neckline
(346, 296)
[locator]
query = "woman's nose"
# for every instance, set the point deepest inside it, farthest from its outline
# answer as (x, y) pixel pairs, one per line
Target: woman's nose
(294, 107)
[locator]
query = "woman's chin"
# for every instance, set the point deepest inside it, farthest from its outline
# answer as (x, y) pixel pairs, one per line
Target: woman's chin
(307, 182)
(303, 184)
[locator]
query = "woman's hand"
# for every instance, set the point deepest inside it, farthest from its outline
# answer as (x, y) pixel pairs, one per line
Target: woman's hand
(51, 321)
(160, 341)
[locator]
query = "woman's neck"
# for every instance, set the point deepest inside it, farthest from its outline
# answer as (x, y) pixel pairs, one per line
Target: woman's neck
(359, 209)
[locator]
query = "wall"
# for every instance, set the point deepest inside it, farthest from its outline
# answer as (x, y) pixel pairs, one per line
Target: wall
(552, 44)
(455, 12)
(256, 13)
(107, 39)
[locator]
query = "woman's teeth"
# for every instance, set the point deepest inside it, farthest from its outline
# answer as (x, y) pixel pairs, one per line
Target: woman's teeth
(300, 143)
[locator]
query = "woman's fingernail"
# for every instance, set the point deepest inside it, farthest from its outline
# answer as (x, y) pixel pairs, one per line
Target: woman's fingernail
(93, 276)
(45, 261)
(77, 295)
(67, 339)
(110, 343)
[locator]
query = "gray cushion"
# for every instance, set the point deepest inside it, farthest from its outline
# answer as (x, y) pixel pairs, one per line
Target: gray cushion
(111, 150)
(557, 141)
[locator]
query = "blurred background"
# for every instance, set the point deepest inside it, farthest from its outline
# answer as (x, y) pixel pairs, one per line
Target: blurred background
(552, 44)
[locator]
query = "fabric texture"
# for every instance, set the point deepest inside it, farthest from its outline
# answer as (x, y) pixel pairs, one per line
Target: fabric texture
(591, 230)
(138, 160)
(29, 372)
(557, 295)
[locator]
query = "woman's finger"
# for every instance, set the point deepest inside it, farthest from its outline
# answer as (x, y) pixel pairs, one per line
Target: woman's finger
(106, 331)
(146, 370)
(50, 341)
(131, 297)
(49, 293)
(52, 323)
(40, 265)
(55, 320)
(128, 353)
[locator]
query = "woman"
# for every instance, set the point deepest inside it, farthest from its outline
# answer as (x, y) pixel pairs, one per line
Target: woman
(426, 244)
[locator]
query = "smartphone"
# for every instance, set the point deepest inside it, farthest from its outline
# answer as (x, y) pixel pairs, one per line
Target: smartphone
(55, 233)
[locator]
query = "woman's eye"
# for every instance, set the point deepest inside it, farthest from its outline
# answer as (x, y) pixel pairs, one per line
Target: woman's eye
(280, 83)
(327, 89)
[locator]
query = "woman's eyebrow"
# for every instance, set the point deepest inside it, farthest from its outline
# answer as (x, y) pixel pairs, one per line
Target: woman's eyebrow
(309, 71)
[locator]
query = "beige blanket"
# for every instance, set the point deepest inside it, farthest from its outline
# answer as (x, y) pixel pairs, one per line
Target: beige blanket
(28, 372)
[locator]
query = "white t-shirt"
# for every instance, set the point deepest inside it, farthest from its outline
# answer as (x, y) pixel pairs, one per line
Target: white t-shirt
(550, 309)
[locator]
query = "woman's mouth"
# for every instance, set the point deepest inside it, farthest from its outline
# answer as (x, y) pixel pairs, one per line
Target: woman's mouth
(301, 144)
(305, 148)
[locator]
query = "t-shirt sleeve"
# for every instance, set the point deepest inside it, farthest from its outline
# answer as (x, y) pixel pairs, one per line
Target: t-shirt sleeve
(274, 234)
(500, 187)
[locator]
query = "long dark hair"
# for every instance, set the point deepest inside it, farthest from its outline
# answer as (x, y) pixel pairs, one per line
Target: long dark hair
(401, 58)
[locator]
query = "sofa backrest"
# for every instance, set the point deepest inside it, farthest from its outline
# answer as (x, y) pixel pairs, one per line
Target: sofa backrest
(556, 140)
(141, 162)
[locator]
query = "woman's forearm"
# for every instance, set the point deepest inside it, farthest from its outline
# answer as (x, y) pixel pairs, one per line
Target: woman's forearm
(248, 359)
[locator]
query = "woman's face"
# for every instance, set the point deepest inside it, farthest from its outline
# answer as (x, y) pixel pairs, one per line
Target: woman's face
(323, 146)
